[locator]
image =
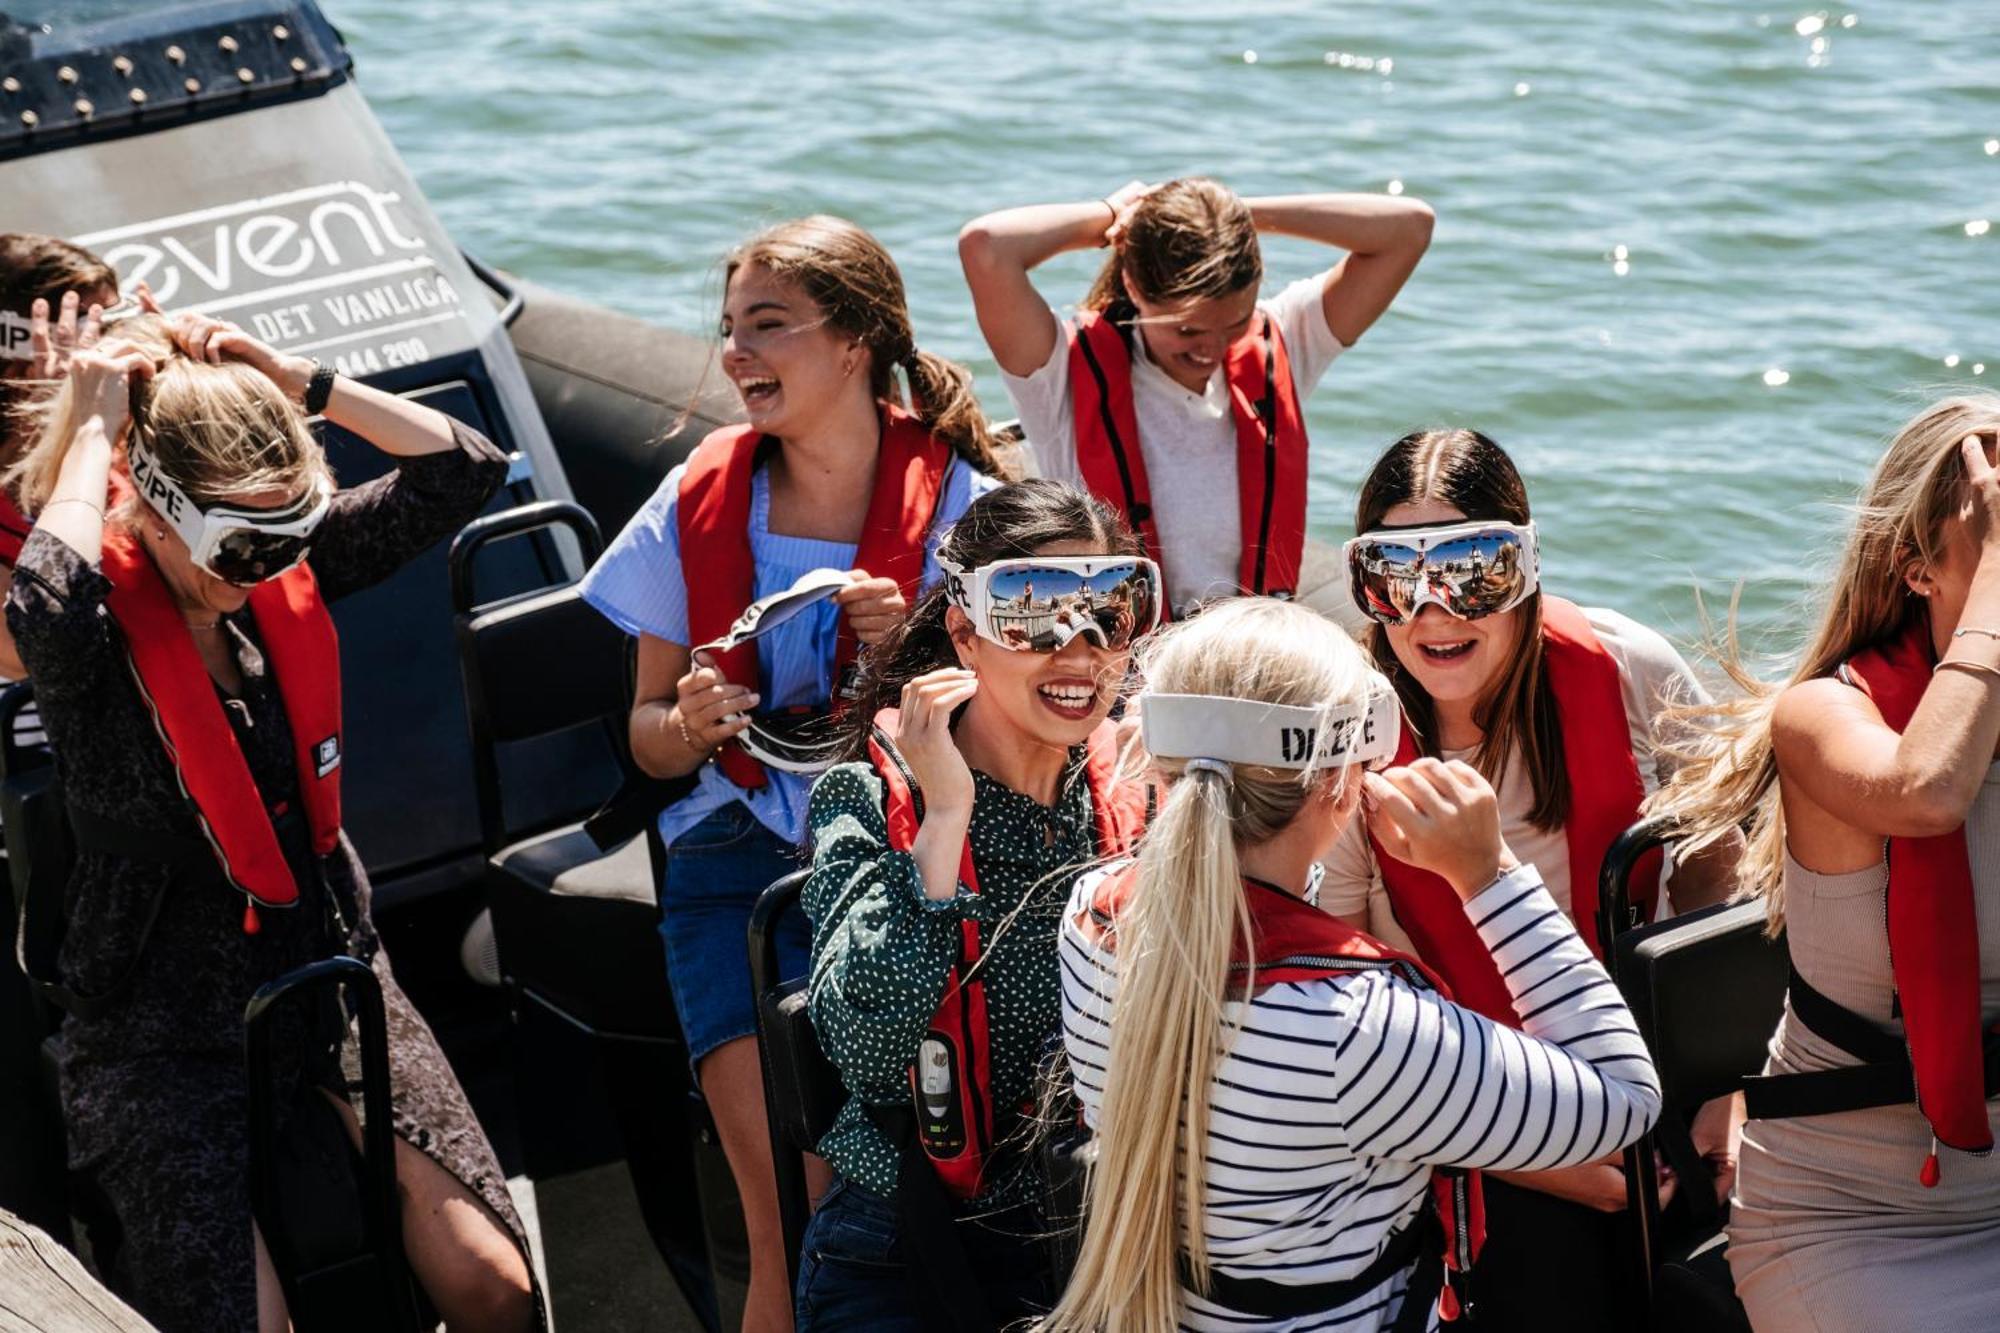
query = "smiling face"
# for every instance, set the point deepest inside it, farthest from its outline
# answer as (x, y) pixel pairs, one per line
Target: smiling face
(1053, 699)
(788, 363)
(1454, 660)
(1189, 339)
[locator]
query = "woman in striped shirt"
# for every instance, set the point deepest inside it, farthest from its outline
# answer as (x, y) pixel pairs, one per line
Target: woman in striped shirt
(1305, 1140)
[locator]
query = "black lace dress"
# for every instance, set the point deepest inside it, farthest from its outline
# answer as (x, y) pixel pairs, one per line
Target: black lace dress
(154, 1090)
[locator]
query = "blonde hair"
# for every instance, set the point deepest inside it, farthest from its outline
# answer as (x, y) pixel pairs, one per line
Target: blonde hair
(1188, 239)
(1728, 773)
(220, 431)
(1174, 937)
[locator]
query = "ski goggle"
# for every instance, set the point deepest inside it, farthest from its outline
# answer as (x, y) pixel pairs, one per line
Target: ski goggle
(1265, 735)
(1039, 604)
(796, 740)
(237, 545)
(1469, 569)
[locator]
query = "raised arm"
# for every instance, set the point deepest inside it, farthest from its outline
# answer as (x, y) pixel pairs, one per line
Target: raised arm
(1849, 780)
(998, 250)
(1384, 236)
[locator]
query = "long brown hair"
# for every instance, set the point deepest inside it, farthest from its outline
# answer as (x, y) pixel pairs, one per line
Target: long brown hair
(1472, 474)
(1188, 239)
(853, 280)
(1728, 775)
(1006, 522)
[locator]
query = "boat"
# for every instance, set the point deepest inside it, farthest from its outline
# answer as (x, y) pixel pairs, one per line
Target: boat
(222, 152)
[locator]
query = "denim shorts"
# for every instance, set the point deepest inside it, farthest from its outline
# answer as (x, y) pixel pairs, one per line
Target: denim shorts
(715, 871)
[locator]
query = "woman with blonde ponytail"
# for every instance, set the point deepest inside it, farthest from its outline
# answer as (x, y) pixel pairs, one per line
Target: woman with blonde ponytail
(1174, 376)
(833, 469)
(1277, 1097)
(1870, 786)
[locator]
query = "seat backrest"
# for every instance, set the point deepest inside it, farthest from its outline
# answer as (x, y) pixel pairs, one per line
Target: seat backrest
(543, 674)
(1707, 990)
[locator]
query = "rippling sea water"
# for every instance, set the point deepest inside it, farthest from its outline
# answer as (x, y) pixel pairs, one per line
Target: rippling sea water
(1695, 260)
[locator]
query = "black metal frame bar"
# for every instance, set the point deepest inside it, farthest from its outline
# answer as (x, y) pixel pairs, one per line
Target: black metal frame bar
(352, 980)
(787, 1158)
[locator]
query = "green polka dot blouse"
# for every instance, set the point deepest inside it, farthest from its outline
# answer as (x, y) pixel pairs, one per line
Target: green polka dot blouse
(881, 950)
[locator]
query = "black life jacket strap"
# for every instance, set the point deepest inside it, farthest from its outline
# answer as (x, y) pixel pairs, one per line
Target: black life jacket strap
(939, 1270)
(1883, 1078)
(1420, 1244)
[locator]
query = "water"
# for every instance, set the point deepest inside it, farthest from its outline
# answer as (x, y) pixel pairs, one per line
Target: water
(1792, 188)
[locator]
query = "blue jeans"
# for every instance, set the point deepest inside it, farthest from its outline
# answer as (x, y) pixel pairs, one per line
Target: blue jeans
(715, 871)
(854, 1269)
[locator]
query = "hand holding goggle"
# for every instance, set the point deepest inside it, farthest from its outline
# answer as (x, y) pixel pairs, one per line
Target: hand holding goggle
(1040, 604)
(1470, 569)
(797, 740)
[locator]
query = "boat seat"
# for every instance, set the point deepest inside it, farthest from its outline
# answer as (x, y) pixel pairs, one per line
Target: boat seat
(1706, 991)
(574, 924)
(803, 1092)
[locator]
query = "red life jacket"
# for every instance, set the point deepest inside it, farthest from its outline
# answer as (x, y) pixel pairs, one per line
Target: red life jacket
(14, 529)
(956, 1127)
(1605, 791)
(713, 516)
(299, 640)
(1295, 941)
(1932, 922)
(1270, 444)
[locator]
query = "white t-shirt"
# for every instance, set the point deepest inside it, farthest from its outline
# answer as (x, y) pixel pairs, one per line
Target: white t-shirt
(1653, 675)
(1188, 441)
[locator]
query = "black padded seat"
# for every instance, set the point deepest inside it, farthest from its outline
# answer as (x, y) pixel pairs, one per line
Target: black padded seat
(577, 930)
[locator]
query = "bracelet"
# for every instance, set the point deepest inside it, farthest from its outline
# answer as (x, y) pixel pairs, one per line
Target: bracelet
(1104, 237)
(1967, 664)
(687, 737)
(319, 388)
(74, 500)
(1964, 630)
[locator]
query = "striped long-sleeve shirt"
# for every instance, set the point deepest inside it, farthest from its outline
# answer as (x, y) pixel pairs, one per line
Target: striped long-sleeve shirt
(1338, 1096)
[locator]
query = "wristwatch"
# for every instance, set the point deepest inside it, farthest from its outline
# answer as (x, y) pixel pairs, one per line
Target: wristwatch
(319, 388)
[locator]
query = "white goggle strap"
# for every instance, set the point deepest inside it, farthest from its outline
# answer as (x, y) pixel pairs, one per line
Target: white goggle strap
(164, 495)
(1266, 735)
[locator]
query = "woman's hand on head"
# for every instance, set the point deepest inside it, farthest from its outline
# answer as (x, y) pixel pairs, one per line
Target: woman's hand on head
(202, 338)
(52, 343)
(1441, 816)
(924, 739)
(712, 708)
(1124, 202)
(1983, 479)
(873, 606)
(101, 378)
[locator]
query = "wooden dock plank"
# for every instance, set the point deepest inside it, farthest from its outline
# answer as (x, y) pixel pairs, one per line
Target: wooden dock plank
(44, 1289)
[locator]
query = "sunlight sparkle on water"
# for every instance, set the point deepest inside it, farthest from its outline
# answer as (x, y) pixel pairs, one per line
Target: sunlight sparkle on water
(1951, 362)
(1522, 90)
(1849, 20)
(1993, 148)
(1775, 378)
(1395, 187)
(1979, 367)
(1249, 57)
(1621, 268)
(1978, 227)
(1809, 25)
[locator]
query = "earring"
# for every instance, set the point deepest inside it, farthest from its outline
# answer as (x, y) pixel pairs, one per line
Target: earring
(160, 534)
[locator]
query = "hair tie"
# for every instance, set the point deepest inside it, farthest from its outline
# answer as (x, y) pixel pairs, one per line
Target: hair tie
(1220, 767)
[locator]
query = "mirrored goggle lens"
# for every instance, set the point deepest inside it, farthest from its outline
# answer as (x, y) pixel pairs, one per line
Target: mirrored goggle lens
(1038, 609)
(248, 556)
(1471, 576)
